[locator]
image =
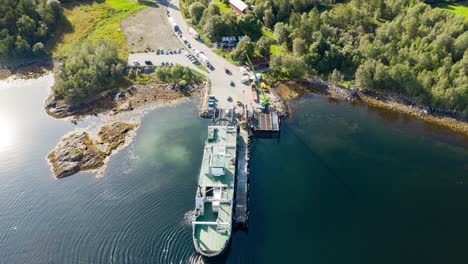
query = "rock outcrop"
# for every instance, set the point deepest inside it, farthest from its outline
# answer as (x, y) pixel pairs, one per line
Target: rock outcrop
(80, 152)
(74, 153)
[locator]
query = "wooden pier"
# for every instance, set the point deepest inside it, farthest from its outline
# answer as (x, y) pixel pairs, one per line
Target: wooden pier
(265, 125)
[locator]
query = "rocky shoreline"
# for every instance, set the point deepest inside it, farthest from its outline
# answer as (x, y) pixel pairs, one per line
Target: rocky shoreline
(292, 90)
(80, 151)
(395, 103)
(120, 100)
(26, 69)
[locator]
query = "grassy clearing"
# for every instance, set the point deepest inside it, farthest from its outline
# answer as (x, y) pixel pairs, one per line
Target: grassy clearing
(225, 55)
(222, 6)
(268, 33)
(204, 38)
(275, 49)
(202, 68)
(457, 9)
(94, 21)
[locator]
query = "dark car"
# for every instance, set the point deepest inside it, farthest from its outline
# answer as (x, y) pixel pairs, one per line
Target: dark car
(211, 67)
(148, 62)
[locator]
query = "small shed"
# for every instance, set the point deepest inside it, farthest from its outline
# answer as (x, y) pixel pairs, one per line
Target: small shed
(238, 6)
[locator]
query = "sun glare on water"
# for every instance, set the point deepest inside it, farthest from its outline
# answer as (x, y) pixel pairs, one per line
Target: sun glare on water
(7, 134)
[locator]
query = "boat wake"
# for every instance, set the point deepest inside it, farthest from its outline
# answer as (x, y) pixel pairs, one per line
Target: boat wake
(189, 217)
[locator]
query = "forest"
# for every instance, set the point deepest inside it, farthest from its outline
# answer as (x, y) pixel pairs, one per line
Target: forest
(402, 46)
(26, 26)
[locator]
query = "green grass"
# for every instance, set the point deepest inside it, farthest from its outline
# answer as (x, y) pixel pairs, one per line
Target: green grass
(268, 33)
(275, 49)
(225, 55)
(95, 21)
(457, 9)
(204, 38)
(201, 67)
(222, 6)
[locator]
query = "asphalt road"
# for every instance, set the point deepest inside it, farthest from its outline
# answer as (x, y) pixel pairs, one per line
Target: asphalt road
(220, 81)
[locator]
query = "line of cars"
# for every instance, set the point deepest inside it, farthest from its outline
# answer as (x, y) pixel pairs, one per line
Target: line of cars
(168, 51)
(192, 58)
(150, 63)
(147, 63)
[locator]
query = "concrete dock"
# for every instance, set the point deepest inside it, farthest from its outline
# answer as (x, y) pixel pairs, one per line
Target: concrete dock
(241, 214)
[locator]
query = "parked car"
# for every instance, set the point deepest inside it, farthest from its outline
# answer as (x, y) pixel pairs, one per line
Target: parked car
(148, 62)
(158, 52)
(166, 52)
(136, 63)
(227, 71)
(210, 67)
(232, 83)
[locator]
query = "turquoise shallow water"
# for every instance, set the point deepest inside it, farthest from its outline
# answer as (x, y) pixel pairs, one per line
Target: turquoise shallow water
(344, 184)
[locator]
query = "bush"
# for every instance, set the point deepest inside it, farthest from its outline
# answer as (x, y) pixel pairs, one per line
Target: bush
(178, 74)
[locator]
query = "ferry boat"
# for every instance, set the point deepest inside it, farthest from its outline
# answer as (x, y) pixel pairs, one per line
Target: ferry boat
(212, 225)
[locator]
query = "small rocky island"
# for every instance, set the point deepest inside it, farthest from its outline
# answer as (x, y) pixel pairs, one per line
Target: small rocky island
(79, 151)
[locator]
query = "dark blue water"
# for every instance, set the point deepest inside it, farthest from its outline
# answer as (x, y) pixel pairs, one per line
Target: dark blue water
(345, 184)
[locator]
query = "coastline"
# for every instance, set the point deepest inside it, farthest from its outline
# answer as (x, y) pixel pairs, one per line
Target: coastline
(26, 69)
(291, 90)
(114, 108)
(135, 99)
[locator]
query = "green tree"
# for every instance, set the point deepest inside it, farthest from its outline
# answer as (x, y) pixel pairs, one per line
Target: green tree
(215, 27)
(299, 46)
(336, 76)
(365, 74)
(244, 46)
(281, 32)
(250, 26)
(196, 11)
(263, 45)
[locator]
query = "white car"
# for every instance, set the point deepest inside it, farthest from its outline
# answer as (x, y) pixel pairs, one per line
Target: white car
(243, 70)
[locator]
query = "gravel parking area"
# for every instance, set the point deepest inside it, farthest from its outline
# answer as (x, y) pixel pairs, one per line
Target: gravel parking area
(149, 29)
(158, 59)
